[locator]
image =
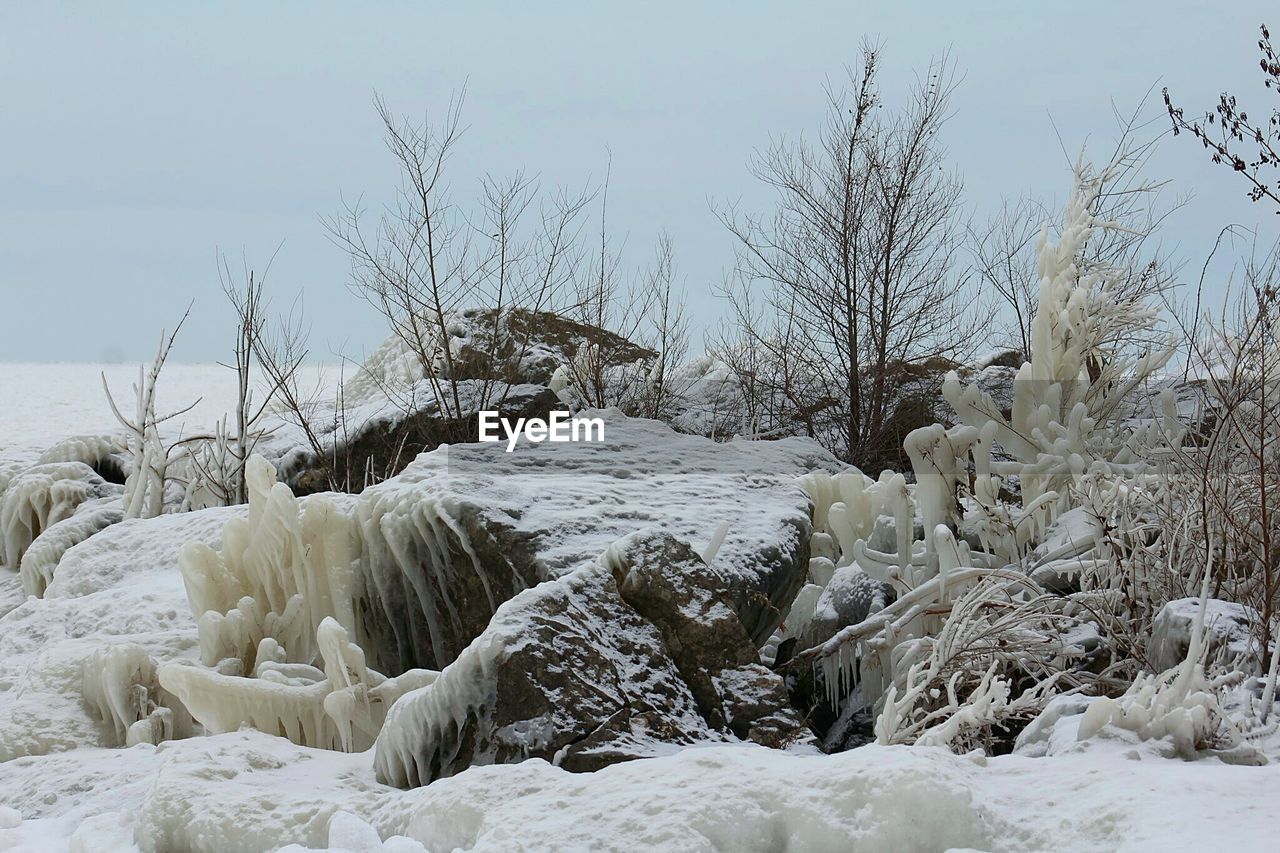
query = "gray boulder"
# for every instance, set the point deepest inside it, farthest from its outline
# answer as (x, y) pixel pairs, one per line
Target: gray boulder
(673, 589)
(1227, 633)
(466, 527)
(850, 597)
(625, 657)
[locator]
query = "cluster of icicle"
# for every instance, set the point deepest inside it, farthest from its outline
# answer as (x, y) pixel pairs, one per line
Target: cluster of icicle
(274, 615)
(1064, 436)
(119, 684)
(56, 503)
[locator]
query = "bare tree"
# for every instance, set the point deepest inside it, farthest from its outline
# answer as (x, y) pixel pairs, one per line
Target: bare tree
(220, 463)
(281, 350)
(1004, 260)
(427, 258)
(149, 470)
(854, 282)
(667, 334)
(1249, 147)
(633, 327)
(1231, 475)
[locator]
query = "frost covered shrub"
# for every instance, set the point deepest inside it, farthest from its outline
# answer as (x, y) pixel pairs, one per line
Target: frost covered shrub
(973, 643)
(999, 657)
(274, 615)
(281, 571)
(1184, 707)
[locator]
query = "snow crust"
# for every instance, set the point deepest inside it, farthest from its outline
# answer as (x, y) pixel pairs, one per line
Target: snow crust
(246, 791)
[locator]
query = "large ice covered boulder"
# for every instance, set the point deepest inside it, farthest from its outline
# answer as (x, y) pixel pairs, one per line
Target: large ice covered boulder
(464, 528)
(627, 656)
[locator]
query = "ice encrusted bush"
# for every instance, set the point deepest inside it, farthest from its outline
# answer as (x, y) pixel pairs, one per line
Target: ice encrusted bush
(275, 621)
(1004, 600)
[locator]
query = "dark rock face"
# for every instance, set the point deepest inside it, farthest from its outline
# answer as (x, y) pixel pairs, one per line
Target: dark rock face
(385, 445)
(622, 658)
(566, 672)
(434, 573)
(671, 587)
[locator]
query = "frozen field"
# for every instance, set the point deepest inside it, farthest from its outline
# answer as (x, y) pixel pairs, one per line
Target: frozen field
(42, 403)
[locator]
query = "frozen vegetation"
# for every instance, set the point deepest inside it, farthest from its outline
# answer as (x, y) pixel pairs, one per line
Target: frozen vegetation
(670, 639)
(836, 583)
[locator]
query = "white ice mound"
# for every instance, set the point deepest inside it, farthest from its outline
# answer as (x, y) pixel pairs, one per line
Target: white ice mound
(43, 555)
(106, 454)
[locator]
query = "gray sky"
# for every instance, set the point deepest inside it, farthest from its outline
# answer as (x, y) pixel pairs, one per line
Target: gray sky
(138, 139)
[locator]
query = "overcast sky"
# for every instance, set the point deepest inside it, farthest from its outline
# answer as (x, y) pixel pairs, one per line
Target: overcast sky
(136, 140)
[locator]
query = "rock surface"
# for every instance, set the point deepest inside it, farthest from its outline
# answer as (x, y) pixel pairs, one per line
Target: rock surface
(1227, 633)
(673, 589)
(850, 597)
(465, 528)
(377, 439)
(566, 672)
(626, 657)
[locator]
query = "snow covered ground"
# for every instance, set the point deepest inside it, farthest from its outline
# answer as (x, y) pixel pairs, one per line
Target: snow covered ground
(62, 788)
(250, 791)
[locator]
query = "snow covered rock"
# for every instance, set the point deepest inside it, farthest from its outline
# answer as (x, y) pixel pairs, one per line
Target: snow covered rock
(850, 597)
(566, 671)
(105, 454)
(519, 347)
(673, 589)
(1056, 729)
(623, 658)
(40, 497)
(42, 557)
(466, 527)
(246, 791)
(1227, 633)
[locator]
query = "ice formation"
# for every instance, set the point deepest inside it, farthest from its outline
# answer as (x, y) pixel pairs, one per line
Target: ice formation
(120, 685)
(39, 498)
(97, 451)
(417, 556)
(274, 616)
(281, 571)
(1065, 443)
(340, 706)
(45, 552)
